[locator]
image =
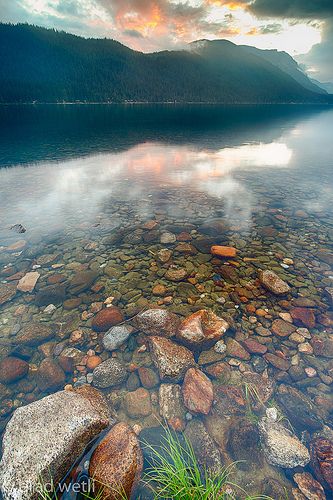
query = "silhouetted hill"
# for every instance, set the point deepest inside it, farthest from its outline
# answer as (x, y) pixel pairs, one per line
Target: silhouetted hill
(43, 65)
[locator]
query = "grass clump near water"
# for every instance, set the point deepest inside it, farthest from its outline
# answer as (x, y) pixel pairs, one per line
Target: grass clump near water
(174, 473)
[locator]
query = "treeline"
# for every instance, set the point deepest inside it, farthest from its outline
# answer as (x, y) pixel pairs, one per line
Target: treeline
(45, 65)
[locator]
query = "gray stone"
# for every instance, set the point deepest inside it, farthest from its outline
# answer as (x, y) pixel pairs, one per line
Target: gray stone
(44, 438)
(116, 336)
(281, 447)
(109, 373)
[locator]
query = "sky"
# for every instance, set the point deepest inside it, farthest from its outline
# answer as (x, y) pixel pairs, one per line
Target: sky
(303, 28)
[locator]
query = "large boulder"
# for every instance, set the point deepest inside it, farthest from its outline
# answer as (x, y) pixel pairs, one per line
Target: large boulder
(281, 447)
(158, 322)
(43, 439)
(171, 359)
(117, 462)
(202, 328)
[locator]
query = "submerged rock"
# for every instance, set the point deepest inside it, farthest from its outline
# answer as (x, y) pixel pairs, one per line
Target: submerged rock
(52, 294)
(82, 281)
(197, 391)
(171, 359)
(171, 405)
(281, 447)
(117, 462)
(137, 403)
(50, 376)
(321, 451)
(300, 410)
(116, 336)
(223, 252)
(34, 333)
(43, 439)
(201, 328)
(106, 318)
(309, 486)
(158, 322)
(273, 282)
(109, 373)
(205, 449)
(7, 292)
(12, 369)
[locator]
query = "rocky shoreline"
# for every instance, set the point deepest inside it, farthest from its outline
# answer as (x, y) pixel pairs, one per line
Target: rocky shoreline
(223, 333)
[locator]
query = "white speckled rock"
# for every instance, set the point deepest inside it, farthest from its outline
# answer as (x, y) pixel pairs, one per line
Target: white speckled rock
(281, 447)
(45, 438)
(116, 336)
(273, 282)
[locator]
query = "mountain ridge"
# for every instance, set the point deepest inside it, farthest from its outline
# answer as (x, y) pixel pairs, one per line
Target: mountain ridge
(45, 65)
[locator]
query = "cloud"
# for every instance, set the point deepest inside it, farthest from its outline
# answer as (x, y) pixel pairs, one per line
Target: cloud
(319, 61)
(300, 9)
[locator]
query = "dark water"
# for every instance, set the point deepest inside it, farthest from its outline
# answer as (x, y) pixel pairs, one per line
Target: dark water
(83, 180)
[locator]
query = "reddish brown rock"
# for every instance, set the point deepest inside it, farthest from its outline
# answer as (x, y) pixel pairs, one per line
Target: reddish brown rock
(201, 328)
(17, 246)
(282, 328)
(219, 370)
(107, 318)
(235, 350)
(197, 391)
(223, 252)
(93, 362)
(12, 369)
(322, 345)
(117, 462)
(7, 292)
(171, 359)
(321, 452)
(254, 347)
(230, 400)
(273, 282)
(278, 362)
(148, 377)
(137, 403)
(50, 376)
(309, 486)
(304, 315)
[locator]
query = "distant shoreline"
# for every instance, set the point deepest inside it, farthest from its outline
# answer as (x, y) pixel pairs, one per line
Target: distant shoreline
(178, 103)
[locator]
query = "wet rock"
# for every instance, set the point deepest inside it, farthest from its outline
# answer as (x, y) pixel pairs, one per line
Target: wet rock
(171, 359)
(109, 373)
(262, 385)
(254, 347)
(202, 328)
(229, 273)
(214, 227)
(176, 274)
(204, 447)
(329, 295)
(223, 252)
(220, 371)
(7, 292)
(323, 345)
(18, 246)
(197, 391)
(281, 447)
(310, 488)
(300, 410)
(304, 315)
(168, 238)
(48, 436)
(321, 451)
(164, 255)
(50, 376)
(235, 349)
(116, 336)
(107, 318)
(117, 462)
(159, 290)
(12, 369)
(34, 333)
(243, 440)
(171, 404)
(277, 361)
(52, 294)
(82, 281)
(204, 244)
(230, 400)
(282, 328)
(158, 322)
(137, 403)
(18, 228)
(273, 283)
(28, 282)
(148, 377)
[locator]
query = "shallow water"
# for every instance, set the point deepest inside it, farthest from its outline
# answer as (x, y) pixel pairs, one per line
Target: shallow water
(84, 180)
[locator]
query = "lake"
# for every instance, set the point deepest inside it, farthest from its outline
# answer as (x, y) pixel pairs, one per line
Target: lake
(116, 208)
